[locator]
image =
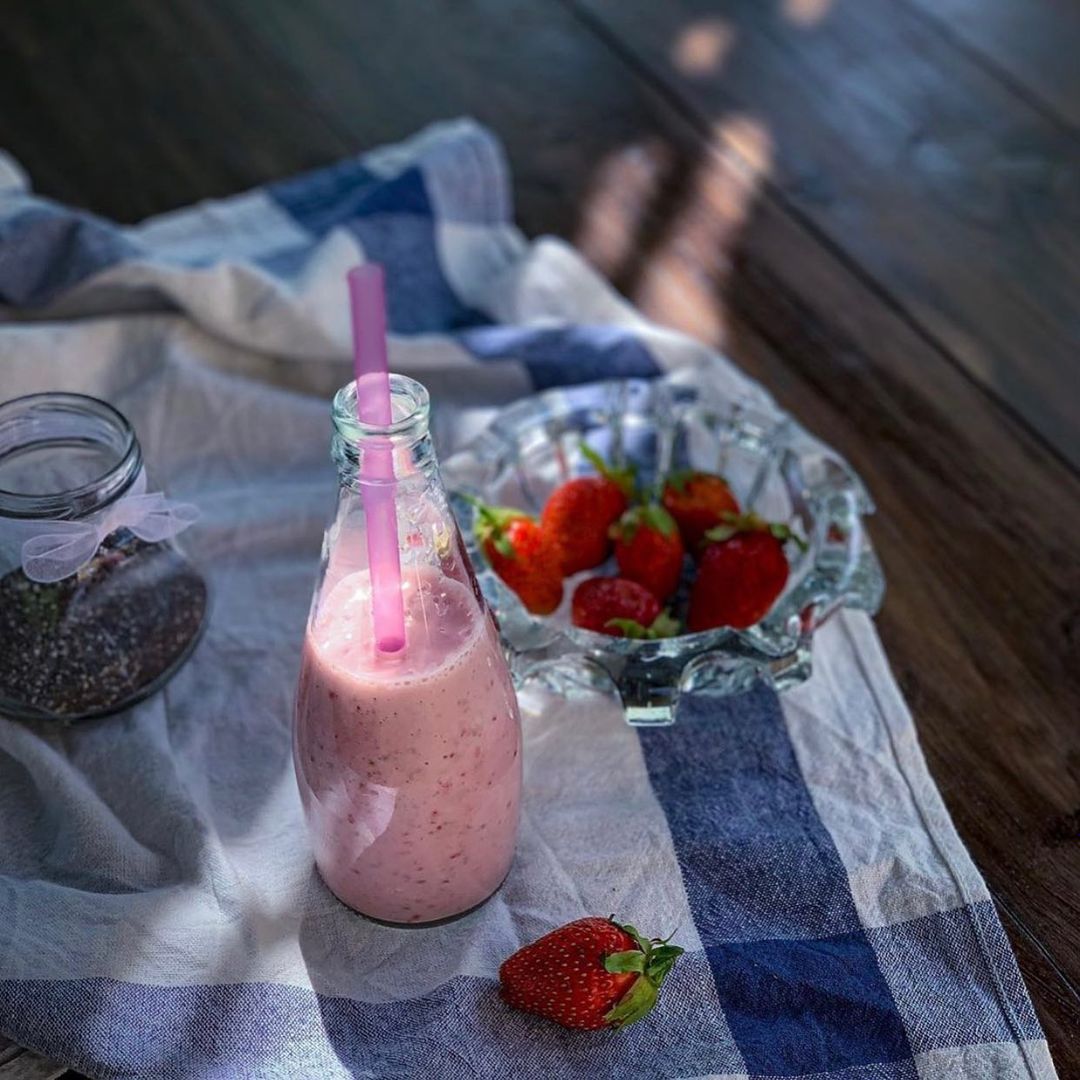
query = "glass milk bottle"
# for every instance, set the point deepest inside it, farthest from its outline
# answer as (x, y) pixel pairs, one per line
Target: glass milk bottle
(408, 762)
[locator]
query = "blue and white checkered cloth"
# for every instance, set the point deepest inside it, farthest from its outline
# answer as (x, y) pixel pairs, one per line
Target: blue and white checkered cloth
(159, 915)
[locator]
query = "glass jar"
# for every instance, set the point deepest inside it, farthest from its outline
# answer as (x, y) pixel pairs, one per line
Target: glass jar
(98, 606)
(408, 761)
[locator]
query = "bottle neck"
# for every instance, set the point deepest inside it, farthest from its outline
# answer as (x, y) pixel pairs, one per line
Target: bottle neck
(361, 451)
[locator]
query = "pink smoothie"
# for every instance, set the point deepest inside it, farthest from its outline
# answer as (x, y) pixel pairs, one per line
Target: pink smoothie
(409, 765)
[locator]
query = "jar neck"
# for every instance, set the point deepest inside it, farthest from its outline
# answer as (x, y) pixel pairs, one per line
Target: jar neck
(361, 450)
(64, 456)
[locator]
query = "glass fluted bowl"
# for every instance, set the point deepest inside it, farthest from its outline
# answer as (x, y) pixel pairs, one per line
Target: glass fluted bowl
(774, 467)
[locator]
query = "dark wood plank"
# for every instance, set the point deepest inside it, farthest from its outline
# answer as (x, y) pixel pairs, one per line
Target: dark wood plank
(975, 516)
(381, 74)
(958, 198)
(1031, 44)
(130, 108)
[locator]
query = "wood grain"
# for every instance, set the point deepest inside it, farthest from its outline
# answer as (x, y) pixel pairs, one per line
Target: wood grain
(380, 77)
(956, 197)
(757, 207)
(1023, 43)
(130, 109)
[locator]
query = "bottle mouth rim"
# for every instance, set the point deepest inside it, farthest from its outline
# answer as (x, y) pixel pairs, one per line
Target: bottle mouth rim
(61, 419)
(411, 408)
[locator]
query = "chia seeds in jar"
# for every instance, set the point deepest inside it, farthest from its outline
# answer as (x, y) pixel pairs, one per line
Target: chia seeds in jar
(99, 606)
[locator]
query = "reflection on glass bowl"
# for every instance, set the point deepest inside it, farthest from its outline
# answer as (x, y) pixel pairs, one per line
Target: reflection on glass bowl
(774, 467)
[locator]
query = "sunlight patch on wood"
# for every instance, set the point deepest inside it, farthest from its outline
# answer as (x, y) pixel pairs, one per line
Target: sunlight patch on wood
(623, 188)
(702, 47)
(663, 224)
(806, 12)
(749, 138)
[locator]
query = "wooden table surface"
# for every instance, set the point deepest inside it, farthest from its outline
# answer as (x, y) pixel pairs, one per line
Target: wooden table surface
(872, 205)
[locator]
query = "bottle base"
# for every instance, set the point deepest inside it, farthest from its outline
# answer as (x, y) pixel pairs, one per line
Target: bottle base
(429, 924)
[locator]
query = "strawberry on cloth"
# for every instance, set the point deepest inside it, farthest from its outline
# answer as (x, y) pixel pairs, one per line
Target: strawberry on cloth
(590, 974)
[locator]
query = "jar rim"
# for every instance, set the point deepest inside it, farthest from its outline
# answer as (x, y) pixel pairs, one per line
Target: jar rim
(31, 410)
(406, 394)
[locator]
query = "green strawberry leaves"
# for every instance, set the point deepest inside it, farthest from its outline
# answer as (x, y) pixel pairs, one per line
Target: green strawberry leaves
(656, 517)
(652, 516)
(783, 533)
(491, 524)
(625, 478)
(662, 961)
(503, 546)
(663, 626)
(678, 481)
(631, 960)
(643, 942)
(635, 1004)
(751, 522)
(653, 959)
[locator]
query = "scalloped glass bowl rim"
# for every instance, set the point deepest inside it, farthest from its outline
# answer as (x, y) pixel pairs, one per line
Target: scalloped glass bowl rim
(783, 630)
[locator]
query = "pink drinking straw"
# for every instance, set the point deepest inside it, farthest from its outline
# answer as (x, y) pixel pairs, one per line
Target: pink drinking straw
(367, 301)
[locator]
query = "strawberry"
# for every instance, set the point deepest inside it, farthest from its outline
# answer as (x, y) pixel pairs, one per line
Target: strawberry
(588, 974)
(521, 554)
(579, 513)
(648, 549)
(620, 608)
(697, 501)
(740, 574)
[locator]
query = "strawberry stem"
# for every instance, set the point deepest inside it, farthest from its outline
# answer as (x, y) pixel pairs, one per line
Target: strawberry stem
(680, 479)
(624, 478)
(651, 515)
(491, 523)
(751, 522)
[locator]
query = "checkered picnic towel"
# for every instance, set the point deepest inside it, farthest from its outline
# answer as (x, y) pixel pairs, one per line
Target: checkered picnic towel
(159, 915)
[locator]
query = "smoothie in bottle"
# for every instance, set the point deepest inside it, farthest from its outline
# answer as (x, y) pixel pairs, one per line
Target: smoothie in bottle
(408, 762)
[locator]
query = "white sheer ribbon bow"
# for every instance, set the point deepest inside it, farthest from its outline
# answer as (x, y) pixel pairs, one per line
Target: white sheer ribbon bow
(55, 550)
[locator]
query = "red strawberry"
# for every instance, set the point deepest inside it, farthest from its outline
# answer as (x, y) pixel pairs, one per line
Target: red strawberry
(579, 513)
(522, 555)
(588, 974)
(620, 608)
(697, 501)
(740, 574)
(648, 549)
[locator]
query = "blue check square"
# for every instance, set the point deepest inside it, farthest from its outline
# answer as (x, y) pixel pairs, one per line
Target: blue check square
(944, 987)
(807, 1006)
(321, 200)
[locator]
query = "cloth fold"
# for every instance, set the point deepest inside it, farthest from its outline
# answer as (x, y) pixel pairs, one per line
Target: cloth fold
(159, 914)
